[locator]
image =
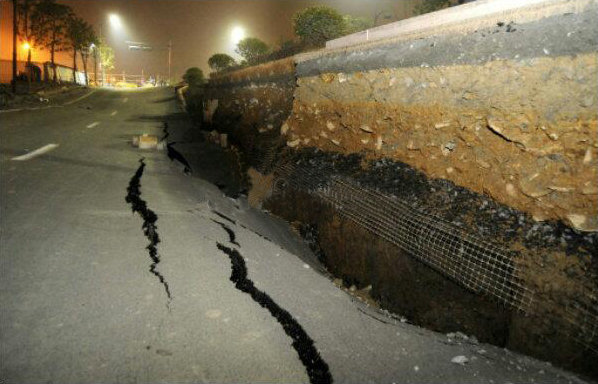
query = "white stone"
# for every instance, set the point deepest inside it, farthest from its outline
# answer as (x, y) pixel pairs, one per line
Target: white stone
(379, 143)
(460, 359)
(330, 125)
(576, 220)
(366, 128)
(511, 191)
(588, 156)
(293, 143)
(284, 129)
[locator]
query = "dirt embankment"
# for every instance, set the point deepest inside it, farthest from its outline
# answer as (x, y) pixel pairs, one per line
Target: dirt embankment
(527, 135)
(494, 132)
(251, 105)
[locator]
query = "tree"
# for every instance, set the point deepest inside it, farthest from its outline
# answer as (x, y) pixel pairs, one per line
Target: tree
(427, 6)
(354, 24)
(220, 62)
(80, 36)
(26, 27)
(194, 77)
(315, 25)
(50, 27)
(251, 48)
(106, 54)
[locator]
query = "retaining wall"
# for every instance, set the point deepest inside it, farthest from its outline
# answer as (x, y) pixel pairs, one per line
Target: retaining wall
(488, 127)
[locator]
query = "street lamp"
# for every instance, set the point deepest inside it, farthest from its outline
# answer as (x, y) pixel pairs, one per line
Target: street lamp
(116, 24)
(115, 21)
(237, 34)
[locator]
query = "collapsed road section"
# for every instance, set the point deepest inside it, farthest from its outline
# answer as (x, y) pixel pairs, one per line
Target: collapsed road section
(451, 166)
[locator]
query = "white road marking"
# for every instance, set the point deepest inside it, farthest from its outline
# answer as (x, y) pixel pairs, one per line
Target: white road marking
(94, 124)
(113, 113)
(37, 152)
(125, 99)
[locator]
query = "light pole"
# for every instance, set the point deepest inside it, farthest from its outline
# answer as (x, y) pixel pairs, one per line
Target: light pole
(116, 24)
(169, 60)
(14, 46)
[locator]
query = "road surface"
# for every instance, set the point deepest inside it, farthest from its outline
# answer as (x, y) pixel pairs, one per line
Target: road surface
(118, 267)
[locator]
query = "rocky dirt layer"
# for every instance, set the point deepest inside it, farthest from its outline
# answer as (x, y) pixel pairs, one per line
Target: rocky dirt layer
(522, 132)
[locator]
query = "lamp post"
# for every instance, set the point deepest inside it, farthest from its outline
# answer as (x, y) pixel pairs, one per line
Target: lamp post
(115, 22)
(15, 31)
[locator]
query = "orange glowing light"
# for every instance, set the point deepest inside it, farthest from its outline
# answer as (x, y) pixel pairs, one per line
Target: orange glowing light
(26, 46)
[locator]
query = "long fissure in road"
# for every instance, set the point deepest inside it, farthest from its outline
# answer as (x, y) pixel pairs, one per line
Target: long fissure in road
(317, 369)
(149, 227)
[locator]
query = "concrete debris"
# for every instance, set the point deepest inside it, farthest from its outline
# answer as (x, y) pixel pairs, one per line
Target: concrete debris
(145, 141)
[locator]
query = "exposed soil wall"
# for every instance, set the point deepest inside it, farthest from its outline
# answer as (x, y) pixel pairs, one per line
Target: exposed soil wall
(251, 105)
(516, 104)
(494, 132)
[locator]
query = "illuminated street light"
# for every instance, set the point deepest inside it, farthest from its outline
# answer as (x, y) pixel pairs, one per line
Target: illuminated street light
(26, 46)
(115, 21)
(237, 34)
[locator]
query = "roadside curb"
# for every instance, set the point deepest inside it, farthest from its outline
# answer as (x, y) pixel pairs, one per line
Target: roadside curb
(51, 106)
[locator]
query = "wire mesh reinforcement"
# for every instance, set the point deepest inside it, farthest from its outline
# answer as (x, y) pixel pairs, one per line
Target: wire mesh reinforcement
(471, 261)
(585, 322)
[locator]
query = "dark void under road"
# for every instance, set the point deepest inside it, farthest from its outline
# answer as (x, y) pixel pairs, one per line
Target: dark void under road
(115, 269)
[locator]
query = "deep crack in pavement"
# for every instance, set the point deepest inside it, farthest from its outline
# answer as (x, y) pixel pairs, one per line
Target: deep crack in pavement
(317, 369)
(225, 217)
(231, 234)
(149, 223)
(173, 154)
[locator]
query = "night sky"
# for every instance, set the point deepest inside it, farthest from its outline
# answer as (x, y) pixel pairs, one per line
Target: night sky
(200, 28)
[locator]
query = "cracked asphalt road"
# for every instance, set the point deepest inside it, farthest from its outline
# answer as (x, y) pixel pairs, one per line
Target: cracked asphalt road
(79, 304)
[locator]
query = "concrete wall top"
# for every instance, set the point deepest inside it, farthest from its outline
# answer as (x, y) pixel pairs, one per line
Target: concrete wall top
(461, 19)
(259, 73)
